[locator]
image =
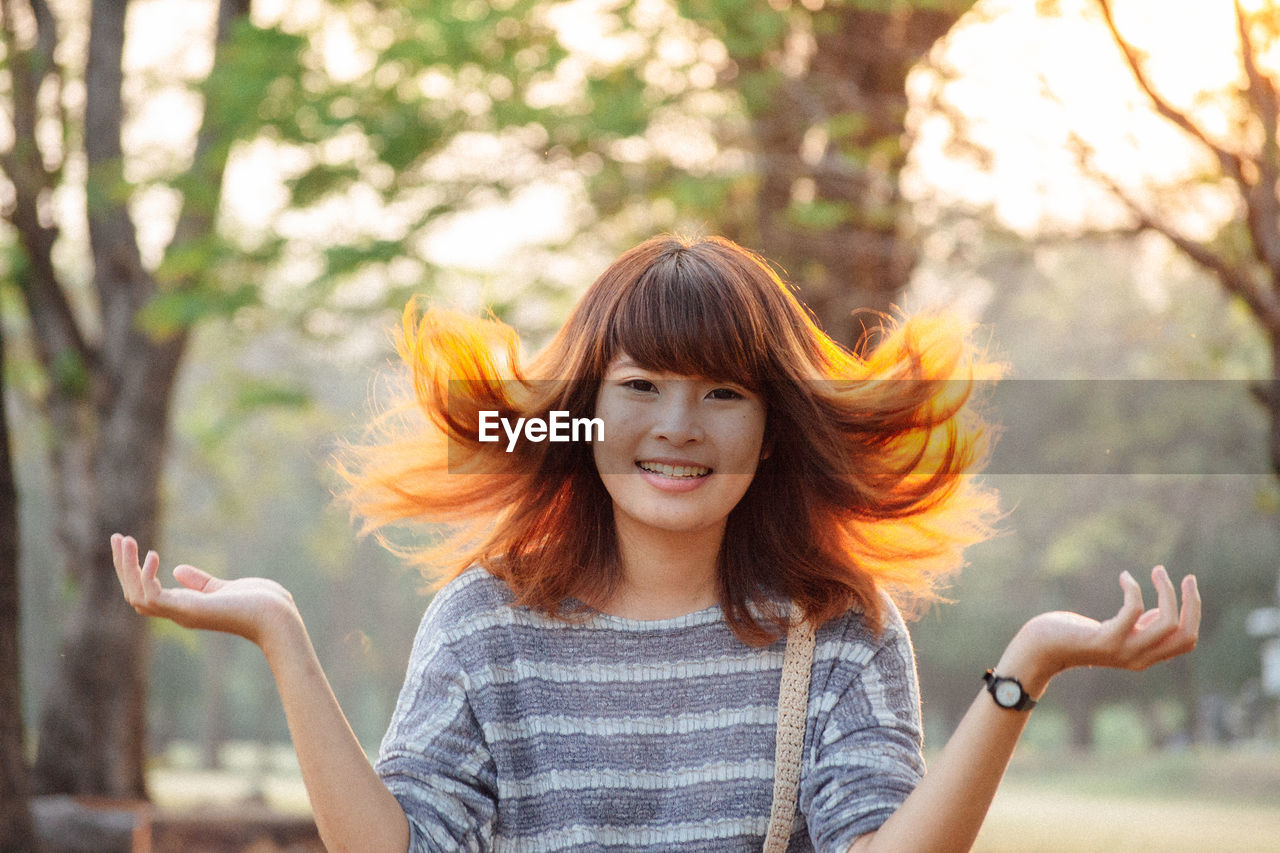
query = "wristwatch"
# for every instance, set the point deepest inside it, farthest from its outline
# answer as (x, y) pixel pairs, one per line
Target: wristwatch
(1008, 692)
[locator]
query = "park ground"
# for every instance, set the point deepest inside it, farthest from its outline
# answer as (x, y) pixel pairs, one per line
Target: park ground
(1189, 801)
(1192, 801)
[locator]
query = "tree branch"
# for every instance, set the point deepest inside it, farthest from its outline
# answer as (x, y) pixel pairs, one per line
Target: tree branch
(1262, 301)
(1262, 205)
(212, 147)
(46, 45)
(46, 37)
(1229, 161)
(121, 282)
(131, 359)
(58, 335)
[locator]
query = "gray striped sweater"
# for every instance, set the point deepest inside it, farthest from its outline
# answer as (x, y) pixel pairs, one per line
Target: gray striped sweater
(515, 731)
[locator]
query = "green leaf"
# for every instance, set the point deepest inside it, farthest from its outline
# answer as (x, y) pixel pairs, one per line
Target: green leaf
(169, 313)
(847, 125)
(254, 394)
(69, 374)
(255, 80)
(819, 215)
(320, 180)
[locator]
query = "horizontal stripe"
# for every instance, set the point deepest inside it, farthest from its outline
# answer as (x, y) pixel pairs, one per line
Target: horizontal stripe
(720, 799)
(633, 836)
(593, 673)
(560, 724)
(518, 731)
(563, 779)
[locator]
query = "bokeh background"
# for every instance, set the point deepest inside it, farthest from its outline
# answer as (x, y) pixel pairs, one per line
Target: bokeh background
(213, 214)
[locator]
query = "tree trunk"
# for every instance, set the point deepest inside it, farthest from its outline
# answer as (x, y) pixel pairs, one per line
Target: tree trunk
(109, 408)
(1270, 398)
(213, 701)
(851, 99)
(92, 726)
(16, 833)
(1188, 691)
(1079, 692)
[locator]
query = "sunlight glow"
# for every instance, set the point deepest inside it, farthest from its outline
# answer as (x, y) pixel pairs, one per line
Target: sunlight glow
(1004, 57)
(1026, 82)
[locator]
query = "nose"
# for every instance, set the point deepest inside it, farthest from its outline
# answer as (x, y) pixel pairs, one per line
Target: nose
(679, 423)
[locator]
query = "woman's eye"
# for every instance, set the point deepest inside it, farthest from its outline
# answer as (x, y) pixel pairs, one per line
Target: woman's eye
(640, 385)
(724, 394)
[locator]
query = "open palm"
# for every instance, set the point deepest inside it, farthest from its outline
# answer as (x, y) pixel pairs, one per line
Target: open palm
(1135, 638)
(246, 606)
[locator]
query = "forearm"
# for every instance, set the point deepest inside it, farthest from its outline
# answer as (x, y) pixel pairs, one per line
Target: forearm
(353, 808)
(947, 808)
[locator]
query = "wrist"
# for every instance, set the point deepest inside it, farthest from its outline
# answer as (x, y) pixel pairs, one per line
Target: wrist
(281, 633)
(1031, 670)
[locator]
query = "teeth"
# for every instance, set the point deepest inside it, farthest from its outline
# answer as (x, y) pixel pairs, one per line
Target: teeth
(684, 471)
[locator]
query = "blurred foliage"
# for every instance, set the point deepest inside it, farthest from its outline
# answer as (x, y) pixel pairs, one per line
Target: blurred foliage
(450, 108)
(251, 489)
(1067, 536)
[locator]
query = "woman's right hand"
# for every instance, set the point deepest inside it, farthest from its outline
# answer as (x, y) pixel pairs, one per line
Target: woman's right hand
(249, 607)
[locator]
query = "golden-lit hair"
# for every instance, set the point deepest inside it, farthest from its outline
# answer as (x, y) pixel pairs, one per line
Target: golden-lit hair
(867, 487)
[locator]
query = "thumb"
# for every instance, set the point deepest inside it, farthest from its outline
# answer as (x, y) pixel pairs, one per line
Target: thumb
(197, 579)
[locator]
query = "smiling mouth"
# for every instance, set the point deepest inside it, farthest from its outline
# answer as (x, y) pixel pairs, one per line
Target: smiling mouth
(675, 472)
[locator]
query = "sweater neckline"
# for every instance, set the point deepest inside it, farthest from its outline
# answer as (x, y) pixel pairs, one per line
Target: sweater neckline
(598, 618)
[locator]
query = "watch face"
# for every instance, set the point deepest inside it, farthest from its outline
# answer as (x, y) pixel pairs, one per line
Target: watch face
(1007, 693)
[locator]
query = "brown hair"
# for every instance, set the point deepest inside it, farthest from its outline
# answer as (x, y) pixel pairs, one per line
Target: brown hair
(867, 486)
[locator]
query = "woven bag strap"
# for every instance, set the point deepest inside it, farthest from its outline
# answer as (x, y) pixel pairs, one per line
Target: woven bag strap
(793, 709)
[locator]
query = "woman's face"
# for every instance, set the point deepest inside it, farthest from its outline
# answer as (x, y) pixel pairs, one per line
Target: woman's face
(679, 451)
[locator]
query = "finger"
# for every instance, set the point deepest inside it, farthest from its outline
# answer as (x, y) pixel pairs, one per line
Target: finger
(128, 582)
(1171, 647)
(1189, 622)
(196, 579)
(130, 574)
(1166, 595)
(150, 567)
(129, 553)
(150, 583)
(137, 592)
(1146, 620)
(1121, 625)
(1156, 624)
(1185, 634)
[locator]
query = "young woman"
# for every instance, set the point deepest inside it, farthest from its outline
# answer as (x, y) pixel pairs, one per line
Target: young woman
(602, 670)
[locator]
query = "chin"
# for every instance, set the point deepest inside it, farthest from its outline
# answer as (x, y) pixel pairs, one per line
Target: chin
(678, 523)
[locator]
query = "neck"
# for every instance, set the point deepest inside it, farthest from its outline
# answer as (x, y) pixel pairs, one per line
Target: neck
(665, 574)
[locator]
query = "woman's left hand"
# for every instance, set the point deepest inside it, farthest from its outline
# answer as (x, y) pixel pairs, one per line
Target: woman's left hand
(1135, 638)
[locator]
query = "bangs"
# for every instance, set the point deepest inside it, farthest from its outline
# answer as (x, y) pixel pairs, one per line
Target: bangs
(686, 315)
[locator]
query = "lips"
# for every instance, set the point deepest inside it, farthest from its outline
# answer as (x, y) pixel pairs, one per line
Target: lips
(675, 472)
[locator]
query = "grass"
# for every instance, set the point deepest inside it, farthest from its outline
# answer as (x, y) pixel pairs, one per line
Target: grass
(250, 773)
(1183, 802)
(1046, 821)
(1117, 801)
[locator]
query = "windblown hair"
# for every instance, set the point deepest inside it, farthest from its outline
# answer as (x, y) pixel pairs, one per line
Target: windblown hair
(867, 486)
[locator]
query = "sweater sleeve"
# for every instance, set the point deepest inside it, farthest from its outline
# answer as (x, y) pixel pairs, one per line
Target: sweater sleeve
(434, 759)
(866, 747)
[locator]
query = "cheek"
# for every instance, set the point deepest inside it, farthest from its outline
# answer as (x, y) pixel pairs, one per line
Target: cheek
(614, 454)
(748, 440)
